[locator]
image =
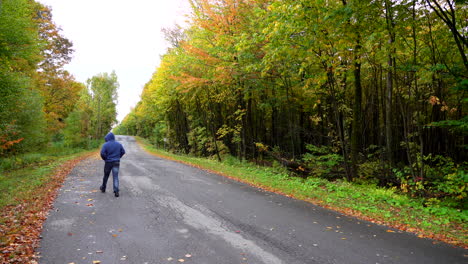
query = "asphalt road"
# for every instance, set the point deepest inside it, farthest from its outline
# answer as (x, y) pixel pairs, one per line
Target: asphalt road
(172, 213)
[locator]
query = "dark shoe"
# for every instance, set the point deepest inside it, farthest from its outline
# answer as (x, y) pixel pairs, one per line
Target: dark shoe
(102, 189)
(116, 194)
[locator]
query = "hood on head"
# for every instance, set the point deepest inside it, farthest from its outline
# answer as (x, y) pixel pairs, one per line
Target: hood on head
(109, 137)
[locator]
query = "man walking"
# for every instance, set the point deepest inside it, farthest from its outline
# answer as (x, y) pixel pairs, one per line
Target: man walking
(111, 153)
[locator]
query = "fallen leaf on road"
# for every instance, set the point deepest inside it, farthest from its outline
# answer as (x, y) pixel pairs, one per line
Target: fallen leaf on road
(96, 261)
(99, 251)
(70, 234)
(390, 231)
(181, 260)
(114, 235)
(120, 230)
(89, 200)
(90, 204)
(188, 256)
(169, 259)
(344, 238)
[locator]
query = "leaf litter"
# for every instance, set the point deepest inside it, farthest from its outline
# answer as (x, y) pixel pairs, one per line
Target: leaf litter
(21, 226)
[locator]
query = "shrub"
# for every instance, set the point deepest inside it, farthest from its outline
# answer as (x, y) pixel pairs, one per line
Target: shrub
(443, 182)
(323, 162)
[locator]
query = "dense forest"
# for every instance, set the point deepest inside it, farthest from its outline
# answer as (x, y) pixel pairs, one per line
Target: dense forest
(40, 102)
(368, 91)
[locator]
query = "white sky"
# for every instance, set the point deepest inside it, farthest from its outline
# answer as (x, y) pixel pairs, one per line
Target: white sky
(119, 35)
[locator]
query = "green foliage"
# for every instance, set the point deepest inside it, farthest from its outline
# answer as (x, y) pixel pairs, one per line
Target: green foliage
(454, 187)
(36, 94)
(376, 84)
(94, 113)
(198, 139)
(444, 182)
(46, 155)
(323, 162)
(103, 90)
(21, 116)
(457, 125)
(369, 171)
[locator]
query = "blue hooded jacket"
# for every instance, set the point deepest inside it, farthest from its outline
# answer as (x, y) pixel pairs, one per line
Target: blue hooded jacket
(112, 150)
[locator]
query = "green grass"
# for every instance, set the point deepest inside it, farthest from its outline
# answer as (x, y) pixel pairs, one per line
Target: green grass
(21, 175)
(368, 202)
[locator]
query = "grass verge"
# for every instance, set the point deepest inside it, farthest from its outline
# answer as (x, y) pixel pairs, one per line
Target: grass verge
(367, 202)
(26, 195)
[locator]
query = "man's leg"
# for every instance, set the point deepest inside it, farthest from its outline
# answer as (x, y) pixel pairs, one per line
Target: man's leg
(107, 170)
(115, 175)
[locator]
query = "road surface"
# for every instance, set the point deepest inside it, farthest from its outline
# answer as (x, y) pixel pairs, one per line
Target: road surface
(169, 212)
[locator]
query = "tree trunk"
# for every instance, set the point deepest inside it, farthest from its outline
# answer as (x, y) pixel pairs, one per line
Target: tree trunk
(357, 112)
(389, 86)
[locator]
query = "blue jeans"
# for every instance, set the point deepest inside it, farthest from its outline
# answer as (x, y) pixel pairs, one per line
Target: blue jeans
(114, 167)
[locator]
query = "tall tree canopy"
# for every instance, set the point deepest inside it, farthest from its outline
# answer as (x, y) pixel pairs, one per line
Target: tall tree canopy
(21, 118)
(36, 93)
(379, 84)
(103, 88)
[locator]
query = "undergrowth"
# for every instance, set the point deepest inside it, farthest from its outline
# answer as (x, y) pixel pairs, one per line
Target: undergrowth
(21, 174)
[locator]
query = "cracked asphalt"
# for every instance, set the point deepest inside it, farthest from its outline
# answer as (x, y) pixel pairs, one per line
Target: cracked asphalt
(169, 212)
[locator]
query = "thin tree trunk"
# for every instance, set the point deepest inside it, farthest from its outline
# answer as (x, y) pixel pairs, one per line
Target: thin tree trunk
(389, 86)
(339, 125)
(357, 112)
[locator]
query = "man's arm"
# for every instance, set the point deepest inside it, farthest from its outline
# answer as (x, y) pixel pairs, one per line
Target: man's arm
(122, 151)
(103, 153)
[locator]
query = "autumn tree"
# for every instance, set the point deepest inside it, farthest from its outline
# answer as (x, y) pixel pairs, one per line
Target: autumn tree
(21, 116)
(57, 86)
(344, 88)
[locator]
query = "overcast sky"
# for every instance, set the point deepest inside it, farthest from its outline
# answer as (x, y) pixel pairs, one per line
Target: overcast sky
(119, 35)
